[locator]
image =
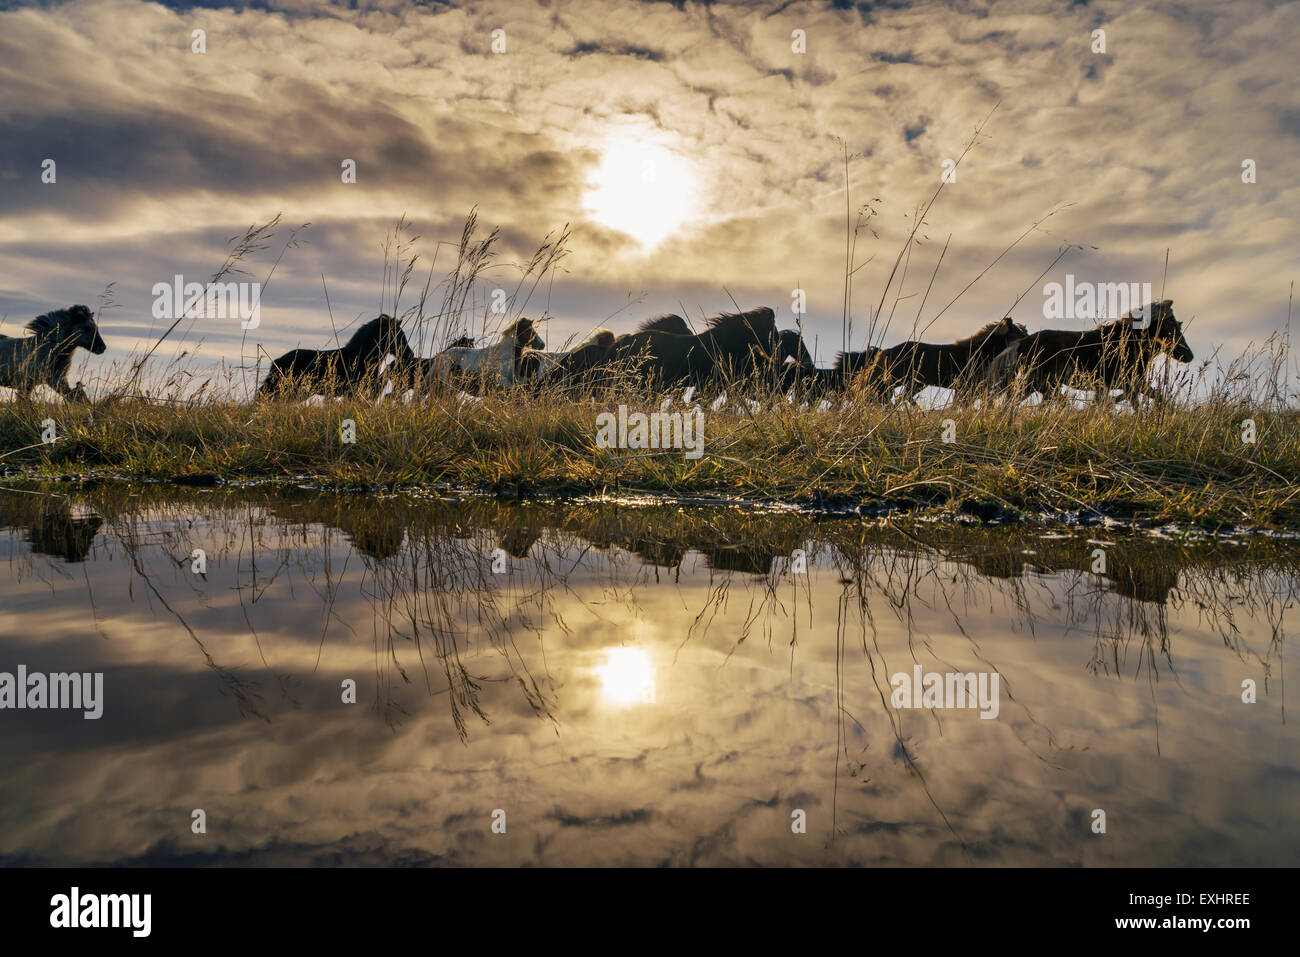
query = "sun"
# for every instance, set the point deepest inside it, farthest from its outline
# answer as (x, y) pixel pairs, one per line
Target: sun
(641, 189)
(627, 677)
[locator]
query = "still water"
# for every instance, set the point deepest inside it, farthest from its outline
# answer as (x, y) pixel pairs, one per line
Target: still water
(622, 684)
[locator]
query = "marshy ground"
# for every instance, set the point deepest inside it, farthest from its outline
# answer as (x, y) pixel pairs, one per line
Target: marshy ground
(1222, 461)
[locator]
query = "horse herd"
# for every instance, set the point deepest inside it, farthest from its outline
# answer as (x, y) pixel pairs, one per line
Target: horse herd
(743, 348)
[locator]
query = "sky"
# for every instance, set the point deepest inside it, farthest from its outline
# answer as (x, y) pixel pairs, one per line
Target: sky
(697, 153)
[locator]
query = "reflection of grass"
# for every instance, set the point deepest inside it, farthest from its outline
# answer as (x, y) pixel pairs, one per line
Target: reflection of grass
(1179, 463)
(425, 571)
(752, 540)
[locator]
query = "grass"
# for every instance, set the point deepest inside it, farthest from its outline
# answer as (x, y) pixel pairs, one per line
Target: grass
(1167, 463)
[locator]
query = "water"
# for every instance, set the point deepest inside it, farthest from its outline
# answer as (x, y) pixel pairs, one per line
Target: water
(631, 685)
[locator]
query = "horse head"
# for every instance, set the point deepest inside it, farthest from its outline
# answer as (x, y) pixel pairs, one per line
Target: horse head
(1002, 334)
(522, 333)
(392, 339)
(71, 327)
(1164, 329)
(789, 346)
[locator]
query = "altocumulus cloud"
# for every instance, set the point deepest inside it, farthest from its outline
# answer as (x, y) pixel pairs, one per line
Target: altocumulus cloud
(163, 154)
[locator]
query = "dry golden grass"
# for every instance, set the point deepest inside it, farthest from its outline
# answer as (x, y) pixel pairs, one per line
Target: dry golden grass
(1168, 461)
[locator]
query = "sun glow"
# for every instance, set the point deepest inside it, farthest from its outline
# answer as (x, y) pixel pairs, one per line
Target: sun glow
(641, 189)
(627, 677)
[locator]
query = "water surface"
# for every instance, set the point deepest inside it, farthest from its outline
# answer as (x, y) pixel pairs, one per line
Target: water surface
(631, 685)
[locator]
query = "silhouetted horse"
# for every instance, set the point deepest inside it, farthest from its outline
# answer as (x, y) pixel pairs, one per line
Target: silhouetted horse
(915, 365)
(1116, 355)
(43, 358)
(790, 362)
(665, 352)
(340, 371)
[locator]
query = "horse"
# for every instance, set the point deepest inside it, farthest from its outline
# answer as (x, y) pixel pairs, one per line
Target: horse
(668, 353)
(340, 371)
(499, 361)
(915, 365)
(44, 357)
(788, 361)
(1117, 354)
(564, 367)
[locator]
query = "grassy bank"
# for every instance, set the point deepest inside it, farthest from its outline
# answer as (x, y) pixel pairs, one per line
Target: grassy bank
(1170, 462)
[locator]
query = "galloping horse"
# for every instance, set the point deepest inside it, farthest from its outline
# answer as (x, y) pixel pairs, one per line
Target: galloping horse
(43, 358)
(791, 363)
(339, 371)
(915, 365)
(1116, 354)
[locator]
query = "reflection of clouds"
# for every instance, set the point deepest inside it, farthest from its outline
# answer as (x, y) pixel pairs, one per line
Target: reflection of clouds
(1147, 140)
(741, 734)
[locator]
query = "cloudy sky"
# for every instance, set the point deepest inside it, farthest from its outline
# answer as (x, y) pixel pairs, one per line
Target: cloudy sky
(694, 152)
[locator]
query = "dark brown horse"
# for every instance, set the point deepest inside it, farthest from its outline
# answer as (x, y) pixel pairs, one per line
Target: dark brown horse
(340, 371)
(915, 365)
(1116, 355)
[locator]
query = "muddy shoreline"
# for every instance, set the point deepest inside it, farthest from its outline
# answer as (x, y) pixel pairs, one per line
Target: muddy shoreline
(928, 504)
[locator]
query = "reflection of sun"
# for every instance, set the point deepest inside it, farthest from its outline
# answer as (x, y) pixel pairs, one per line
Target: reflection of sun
(641, 189)
(627, 677)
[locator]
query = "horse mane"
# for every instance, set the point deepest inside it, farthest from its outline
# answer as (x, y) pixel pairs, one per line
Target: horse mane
(368, 334)
(983, 333)
(464, 342)
(669, 323)
(58, 318)
(761, 313)
(512, 331)
(601, 337)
